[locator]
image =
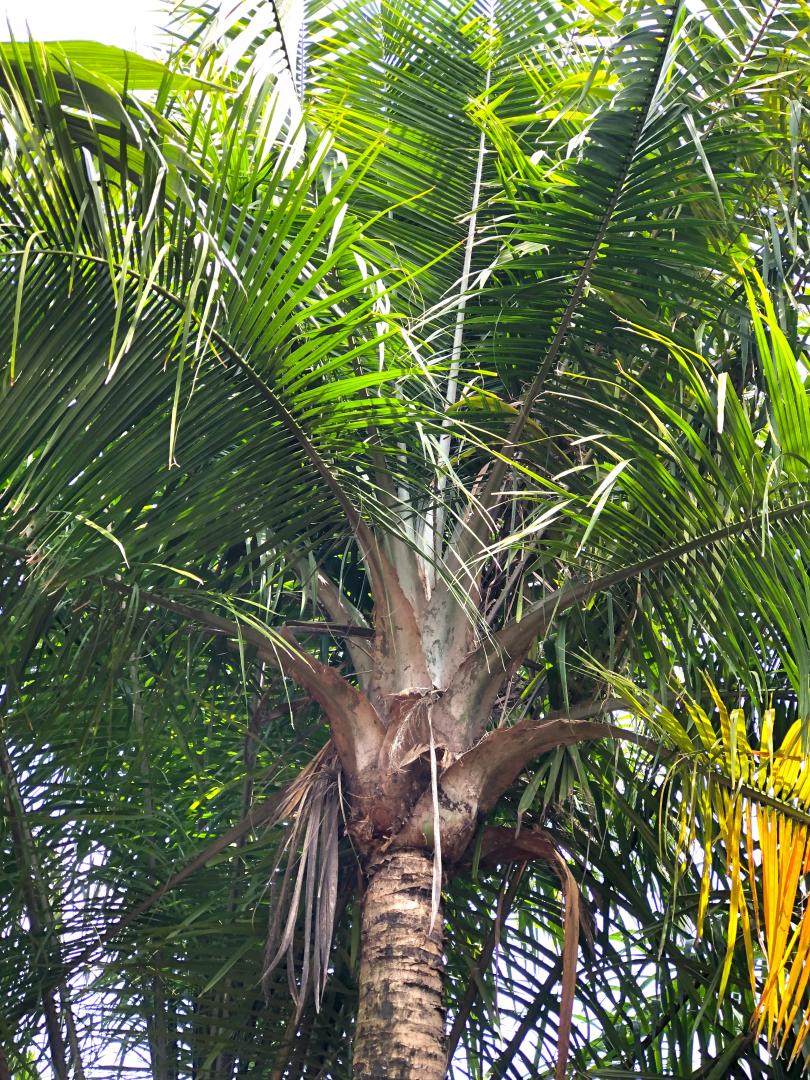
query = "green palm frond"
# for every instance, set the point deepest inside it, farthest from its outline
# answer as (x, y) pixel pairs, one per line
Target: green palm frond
(356, 310)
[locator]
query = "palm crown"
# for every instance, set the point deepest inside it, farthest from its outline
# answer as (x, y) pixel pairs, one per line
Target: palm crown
(404, 516)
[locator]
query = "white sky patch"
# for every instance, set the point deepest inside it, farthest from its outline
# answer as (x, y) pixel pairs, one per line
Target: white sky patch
(132, 25)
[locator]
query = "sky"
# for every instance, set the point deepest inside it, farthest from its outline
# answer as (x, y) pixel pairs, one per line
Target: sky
(132, 24)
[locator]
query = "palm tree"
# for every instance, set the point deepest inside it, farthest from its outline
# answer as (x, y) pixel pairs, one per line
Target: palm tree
(404, 530)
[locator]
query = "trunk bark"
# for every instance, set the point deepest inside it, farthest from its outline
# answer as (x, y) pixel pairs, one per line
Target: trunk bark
(400, 1019)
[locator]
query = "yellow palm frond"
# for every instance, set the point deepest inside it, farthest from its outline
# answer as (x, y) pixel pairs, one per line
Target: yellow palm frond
(745, 807)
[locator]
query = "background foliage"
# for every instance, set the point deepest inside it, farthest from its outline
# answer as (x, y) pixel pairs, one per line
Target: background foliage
(351, 255)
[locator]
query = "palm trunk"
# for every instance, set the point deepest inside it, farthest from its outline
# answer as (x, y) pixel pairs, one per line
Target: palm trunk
(400, 1021)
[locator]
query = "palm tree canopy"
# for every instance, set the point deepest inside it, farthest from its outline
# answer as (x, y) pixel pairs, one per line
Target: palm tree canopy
(491, 313)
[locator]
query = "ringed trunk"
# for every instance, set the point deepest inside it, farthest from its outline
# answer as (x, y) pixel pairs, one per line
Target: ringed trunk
(400, 1019)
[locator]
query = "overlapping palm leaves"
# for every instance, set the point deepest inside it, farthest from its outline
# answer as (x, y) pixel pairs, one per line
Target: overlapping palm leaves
(760, 806)
(220, 335)
(753, 561)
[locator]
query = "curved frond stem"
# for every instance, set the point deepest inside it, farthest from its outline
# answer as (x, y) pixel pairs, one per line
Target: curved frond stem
(486, 771)
(356, 728)
(513, 637)
(752, 48)
(473, 690)
(484, 958)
